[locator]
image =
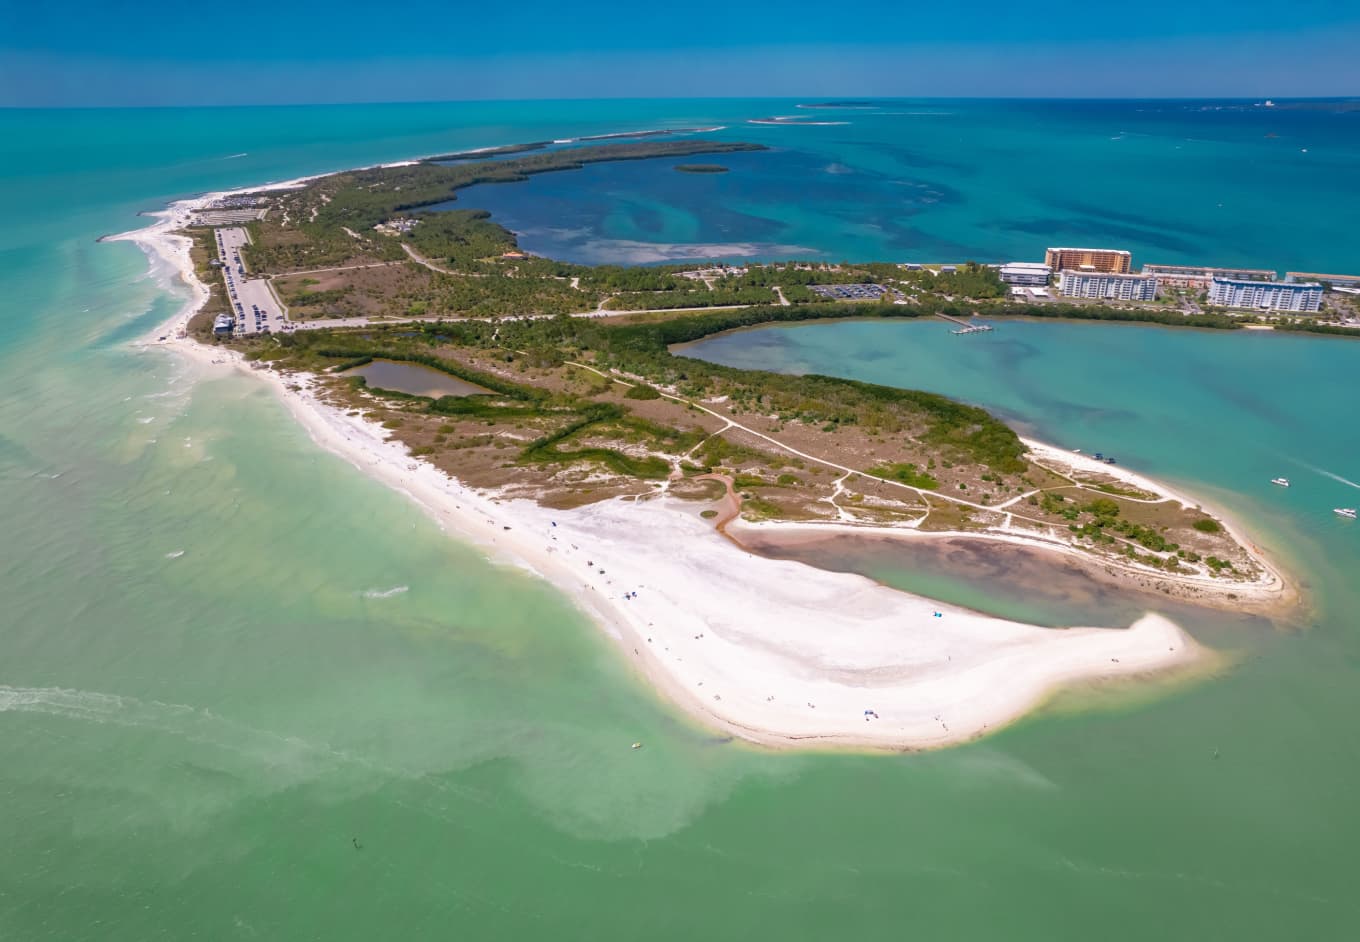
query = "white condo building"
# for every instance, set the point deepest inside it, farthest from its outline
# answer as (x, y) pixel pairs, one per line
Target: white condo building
(1266, 295)
(1025, 273)
(1108, 286)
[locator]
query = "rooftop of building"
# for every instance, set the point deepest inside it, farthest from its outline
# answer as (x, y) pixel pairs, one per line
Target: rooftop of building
(1253, 283)
(1110, 251)
(1206, 270)
(1102, 274)
(1293, 276)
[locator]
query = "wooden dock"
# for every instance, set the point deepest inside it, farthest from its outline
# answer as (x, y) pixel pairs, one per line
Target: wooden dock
(964, 326)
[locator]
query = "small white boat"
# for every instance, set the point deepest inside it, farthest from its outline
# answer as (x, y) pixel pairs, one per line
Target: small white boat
(1283, 482)
(1347, 512)
(637, 745)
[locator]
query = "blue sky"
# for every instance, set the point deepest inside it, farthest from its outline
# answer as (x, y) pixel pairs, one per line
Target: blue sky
(159, 53)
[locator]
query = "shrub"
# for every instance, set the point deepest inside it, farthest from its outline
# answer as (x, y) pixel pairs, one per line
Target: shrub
(906, 474)
(1103, 507)
(642, 391)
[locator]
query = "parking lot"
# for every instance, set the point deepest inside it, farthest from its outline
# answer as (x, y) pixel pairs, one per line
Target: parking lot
(252, 301)
(859, 292)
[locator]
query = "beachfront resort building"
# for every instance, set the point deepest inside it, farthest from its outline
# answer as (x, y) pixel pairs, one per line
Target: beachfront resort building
(1116, 261)
(1025, 273)
(1197, 277)
(1107, 286)
(1305, 296)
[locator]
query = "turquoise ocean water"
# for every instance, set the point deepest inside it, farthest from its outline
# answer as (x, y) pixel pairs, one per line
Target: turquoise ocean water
(226, 657)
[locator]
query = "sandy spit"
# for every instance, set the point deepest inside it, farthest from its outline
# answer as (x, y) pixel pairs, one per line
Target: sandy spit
(774, 652)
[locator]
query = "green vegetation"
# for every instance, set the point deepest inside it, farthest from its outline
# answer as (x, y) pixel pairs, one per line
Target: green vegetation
(1333, 330)
(300, 299)
(618, 278)
(555, 420)
(1106, 520)
(699, 296)
(906, 474)
(718, 452)
(1096, 312)
(487, 152)
(611, 421)
(353, 358)
(956, 428)
(970, 280)
(560, 422)
(953, 429)
(358, 200)
(1120, 490)
(330, 224)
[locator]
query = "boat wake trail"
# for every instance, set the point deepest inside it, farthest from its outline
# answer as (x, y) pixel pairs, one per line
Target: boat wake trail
(286, 756)
(386, 593)
(1328, 474)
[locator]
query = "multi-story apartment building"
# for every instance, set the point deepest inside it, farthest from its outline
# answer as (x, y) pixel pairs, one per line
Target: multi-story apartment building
(1025, 273)
(1305, 296)
(1116, 261)
(1197, 277)
(1107, 286)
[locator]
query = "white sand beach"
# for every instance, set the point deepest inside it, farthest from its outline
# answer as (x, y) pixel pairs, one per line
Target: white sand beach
(774, 652)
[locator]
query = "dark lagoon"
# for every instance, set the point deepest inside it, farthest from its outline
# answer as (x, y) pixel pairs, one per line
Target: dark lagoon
(414, 379)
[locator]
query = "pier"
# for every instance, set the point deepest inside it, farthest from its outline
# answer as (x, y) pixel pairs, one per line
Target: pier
(964, 326)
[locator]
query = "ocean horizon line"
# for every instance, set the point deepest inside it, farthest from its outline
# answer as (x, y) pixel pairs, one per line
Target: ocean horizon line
(807, 99)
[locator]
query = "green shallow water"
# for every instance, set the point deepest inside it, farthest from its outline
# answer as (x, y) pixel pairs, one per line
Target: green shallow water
(225, 655)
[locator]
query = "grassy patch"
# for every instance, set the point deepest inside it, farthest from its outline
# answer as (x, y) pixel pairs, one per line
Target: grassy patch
(905, 474)
(642, 391)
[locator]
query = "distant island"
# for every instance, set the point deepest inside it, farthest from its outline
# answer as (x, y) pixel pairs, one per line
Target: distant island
(659, 132)
(485, 153)
(841, 104)
(789, 120)
(701, 168)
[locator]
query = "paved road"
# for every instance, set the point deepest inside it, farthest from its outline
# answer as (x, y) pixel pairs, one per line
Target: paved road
(252, 300)
(365, 321)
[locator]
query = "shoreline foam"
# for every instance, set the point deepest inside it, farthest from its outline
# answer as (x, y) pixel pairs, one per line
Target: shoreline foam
(774, 652)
